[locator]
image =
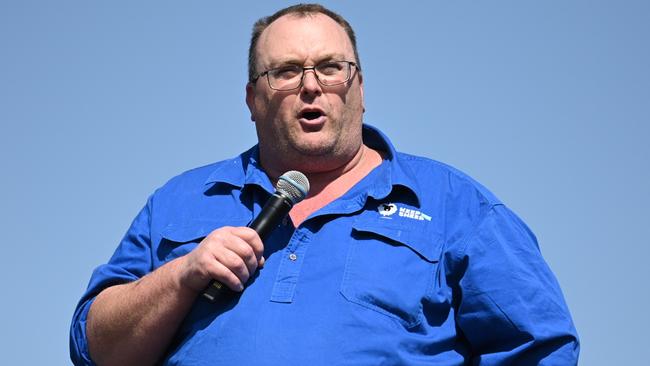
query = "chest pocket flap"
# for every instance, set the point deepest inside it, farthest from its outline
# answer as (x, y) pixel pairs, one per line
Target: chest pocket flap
(416, 235)
(180, 239)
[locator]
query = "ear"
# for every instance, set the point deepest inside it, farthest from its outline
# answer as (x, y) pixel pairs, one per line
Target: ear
(363, 103)
(250, 99)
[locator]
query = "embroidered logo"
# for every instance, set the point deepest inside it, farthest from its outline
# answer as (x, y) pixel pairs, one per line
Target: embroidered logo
(413, 214)
(387, 209)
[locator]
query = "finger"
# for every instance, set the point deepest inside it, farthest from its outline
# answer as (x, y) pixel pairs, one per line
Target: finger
(240, 240)
(245, 251)
(221, 273)
(234, 263)
(252, 238)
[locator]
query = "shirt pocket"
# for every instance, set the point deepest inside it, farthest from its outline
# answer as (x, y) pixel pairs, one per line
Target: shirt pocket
(390, 268)
(180, 239)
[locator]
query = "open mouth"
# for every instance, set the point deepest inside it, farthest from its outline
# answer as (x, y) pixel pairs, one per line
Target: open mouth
(311, 115)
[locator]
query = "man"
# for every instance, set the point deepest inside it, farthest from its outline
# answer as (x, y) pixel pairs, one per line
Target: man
(391, 259)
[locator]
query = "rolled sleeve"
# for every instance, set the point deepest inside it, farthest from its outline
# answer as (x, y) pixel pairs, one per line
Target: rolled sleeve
(512, 310)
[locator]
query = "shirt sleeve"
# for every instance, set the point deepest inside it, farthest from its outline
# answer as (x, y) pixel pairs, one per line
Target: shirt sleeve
(511, 308)
(132, 260)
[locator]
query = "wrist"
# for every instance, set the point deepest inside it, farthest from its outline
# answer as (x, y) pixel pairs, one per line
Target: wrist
(183, 282)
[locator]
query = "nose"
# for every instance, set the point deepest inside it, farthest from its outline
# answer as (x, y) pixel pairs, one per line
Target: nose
(310, 84)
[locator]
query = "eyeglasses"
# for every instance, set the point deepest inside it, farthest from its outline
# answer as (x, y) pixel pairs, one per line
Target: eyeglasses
(289, 77)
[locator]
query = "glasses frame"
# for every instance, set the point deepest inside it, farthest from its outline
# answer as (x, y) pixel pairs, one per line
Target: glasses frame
(305, 69)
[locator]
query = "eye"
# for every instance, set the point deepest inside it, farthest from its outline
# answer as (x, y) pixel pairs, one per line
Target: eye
(330, 68)
(286, 72)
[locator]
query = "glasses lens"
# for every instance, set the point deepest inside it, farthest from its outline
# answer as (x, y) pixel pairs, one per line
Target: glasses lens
(333, 72)
(285, 77)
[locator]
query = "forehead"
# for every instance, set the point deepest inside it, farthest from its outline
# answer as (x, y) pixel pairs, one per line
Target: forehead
(302, 38)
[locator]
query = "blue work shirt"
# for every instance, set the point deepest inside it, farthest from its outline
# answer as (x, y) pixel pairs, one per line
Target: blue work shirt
(416, 265)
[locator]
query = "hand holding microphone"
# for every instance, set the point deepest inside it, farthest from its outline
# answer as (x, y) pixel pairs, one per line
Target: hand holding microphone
(292, 187)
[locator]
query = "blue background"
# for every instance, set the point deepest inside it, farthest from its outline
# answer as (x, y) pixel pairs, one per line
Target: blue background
(547, 103)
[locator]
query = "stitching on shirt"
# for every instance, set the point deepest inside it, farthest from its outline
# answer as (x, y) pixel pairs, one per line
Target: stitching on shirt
(476, 224)
(417, 318)
(152, 255)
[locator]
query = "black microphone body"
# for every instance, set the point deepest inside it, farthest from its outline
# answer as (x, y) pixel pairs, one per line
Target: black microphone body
(274, 211)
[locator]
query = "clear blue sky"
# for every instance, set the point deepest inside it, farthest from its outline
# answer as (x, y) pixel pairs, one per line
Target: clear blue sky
(547, 103)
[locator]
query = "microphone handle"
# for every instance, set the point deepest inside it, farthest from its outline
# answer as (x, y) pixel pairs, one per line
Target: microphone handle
(275, 209)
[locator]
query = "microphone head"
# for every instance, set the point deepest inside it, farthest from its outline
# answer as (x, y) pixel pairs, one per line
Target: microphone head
(293, 185)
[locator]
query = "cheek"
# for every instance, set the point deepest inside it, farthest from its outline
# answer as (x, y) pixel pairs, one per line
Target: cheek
(353, 109)
(262, 105)
(278, 108)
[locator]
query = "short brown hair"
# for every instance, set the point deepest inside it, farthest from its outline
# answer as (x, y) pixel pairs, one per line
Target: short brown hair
(299, 10)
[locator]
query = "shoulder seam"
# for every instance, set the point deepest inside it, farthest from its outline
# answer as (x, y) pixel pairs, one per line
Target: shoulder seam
(480, 189)
(465, 241)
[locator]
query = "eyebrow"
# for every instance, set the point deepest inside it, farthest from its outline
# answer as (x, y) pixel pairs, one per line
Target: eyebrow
(296, 61)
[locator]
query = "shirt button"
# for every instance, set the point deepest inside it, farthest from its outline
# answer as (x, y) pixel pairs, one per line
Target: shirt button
(293, 256)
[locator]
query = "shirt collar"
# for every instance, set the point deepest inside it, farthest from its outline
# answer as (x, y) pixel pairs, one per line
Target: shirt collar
(240, 171)
(246, 169)
(393, 172)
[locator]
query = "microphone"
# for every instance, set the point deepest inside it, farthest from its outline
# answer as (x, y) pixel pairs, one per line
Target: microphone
(292, 187)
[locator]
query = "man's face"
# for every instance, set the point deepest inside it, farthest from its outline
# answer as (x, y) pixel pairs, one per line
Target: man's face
(313, 128)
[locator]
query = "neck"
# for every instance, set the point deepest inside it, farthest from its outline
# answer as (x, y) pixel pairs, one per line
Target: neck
(327, 186)
(319, 181)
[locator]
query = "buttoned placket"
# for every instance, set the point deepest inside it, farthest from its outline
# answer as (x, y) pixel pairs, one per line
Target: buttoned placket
(290, 264)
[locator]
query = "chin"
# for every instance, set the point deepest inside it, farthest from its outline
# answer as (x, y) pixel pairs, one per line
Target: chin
(311, 144)
(316, 152)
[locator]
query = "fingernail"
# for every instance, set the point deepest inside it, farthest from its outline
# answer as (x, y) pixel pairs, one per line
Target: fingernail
(240, 287)
(262, 260)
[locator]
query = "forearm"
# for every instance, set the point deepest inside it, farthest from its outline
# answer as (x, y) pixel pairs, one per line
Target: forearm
(132, 324)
